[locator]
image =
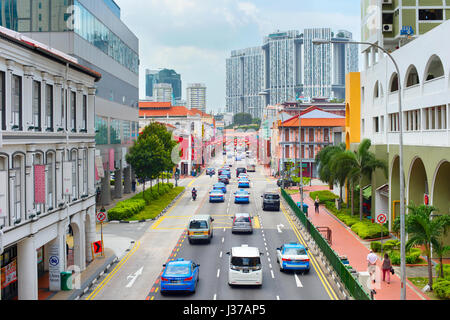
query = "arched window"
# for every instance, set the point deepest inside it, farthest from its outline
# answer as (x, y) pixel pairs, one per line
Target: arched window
(412, 77)
(394, 83)
(435, 68)
(376, 90)
(50, 180)
(85, 172)
(4, 182)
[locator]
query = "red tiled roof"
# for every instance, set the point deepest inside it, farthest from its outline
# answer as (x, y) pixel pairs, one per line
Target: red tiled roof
(152, 104)
(314, 122)
(177, 111)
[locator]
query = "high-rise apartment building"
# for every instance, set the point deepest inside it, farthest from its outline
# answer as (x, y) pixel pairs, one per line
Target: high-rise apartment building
(245, 81)
(162, 92)
(196, 96)
(288, 66)
(151, 78)
(93, 33)
(382, 22)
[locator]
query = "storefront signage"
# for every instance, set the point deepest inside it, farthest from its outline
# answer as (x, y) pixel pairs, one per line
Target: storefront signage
(67, 177)
(54, 271)
(39, 184)
(9, 274)
(3, 188)
(99, 166)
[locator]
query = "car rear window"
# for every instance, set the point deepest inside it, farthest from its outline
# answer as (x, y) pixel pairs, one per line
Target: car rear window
(242, 219)
(246, 262)
(272, 196)
(172, 270)
(295, 251)
(202, 224)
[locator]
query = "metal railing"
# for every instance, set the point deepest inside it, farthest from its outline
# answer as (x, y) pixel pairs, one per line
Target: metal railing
(351, 284)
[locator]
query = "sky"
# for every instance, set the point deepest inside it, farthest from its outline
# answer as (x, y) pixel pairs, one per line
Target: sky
(195, 37)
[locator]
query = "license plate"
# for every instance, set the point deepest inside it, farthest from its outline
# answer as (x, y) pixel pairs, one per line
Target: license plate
(246, 271)
(175, 281)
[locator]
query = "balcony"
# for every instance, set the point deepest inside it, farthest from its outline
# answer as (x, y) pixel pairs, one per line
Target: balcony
(434, 86)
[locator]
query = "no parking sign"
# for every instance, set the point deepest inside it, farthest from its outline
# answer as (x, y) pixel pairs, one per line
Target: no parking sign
(381, 218)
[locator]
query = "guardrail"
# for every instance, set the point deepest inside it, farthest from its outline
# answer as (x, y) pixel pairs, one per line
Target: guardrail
(350, 283)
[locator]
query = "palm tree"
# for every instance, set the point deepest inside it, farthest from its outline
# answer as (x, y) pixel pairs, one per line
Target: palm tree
(440, 250)
(325, 163)
(424, 230)
(361, 164)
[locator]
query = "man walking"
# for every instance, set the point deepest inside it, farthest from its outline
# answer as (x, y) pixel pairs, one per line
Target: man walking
(372, 263)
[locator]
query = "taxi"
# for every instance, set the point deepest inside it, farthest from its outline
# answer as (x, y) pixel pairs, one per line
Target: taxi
(293, 256)
(242, 196)
(180, 275)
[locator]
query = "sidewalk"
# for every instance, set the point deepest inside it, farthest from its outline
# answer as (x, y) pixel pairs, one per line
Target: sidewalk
(345, 242)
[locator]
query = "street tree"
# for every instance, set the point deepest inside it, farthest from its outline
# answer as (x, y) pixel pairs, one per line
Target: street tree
(242, 119)
(147, 158)
(426, 230)
(365, 163)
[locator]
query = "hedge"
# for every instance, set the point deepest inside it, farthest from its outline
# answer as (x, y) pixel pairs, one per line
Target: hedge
(412, 257)
(323, 195)
(442, 288)
(446, 270)
(367, 230)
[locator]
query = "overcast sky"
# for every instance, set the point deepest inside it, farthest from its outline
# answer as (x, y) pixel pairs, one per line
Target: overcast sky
(194, 37)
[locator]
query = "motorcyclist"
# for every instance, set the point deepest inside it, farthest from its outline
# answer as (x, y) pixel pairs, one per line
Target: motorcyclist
(194, 193)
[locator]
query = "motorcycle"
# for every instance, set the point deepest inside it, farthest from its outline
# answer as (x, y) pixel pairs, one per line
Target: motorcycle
(194, 195)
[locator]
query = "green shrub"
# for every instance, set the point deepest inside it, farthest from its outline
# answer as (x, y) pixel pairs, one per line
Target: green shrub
(391, 245)
(367, 230)
(323, 195)
(413, 256)
(446, 270)
(395, 257)
(375, 246)
(442, 288)
(126, 209)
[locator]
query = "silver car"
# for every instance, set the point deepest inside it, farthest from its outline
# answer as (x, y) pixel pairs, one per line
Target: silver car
(242, 222)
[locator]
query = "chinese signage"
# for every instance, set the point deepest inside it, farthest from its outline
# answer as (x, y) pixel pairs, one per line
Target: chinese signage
(99, 167)
(67, 177)
(39, 184)
(9, 274)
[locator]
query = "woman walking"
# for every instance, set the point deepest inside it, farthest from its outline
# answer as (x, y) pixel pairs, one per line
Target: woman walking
(386, 268)
(316, 204)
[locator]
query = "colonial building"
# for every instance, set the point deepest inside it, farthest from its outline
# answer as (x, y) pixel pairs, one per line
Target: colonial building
(47, 152)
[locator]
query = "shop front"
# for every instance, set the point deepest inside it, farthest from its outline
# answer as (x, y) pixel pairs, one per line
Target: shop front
(8, 264)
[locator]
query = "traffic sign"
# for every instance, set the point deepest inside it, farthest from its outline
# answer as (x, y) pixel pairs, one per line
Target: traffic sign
(381, 218)
(101, 216)
(97, 247)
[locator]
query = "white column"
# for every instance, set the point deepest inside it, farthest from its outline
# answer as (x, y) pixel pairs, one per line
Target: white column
(27, 269)
(43, 101)
(12, 205)
(58, 176)
(91, 110)
(57, 100)
(79, 109)
(29, 181)
(91, 169)
(80, 171)
(27, 97)
(90, 232)
(79, 240)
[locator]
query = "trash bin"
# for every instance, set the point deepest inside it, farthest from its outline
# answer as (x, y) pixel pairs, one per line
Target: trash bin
(66, 281)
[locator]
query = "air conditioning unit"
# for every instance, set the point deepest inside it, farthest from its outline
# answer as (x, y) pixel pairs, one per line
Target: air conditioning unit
(387, 1)
(387, 27)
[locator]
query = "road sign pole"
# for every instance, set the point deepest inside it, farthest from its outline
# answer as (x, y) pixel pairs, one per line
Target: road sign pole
(101, 231)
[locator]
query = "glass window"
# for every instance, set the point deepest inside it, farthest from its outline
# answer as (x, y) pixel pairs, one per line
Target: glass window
(49, 106)
(430, 14)
(126, 137)
(50, 179)
(101, 128)
(16, 102)
(74, 160)
(85, 172)
(36, 121)
(73, 111)
(17, 193)
(84, 115)
(115, 132)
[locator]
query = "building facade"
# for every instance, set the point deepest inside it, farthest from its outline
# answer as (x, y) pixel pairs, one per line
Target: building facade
(424, 74)
(151, 78)
(47, 172)
(196, 96)
(162, 92)
(93, 33)
(167, 76)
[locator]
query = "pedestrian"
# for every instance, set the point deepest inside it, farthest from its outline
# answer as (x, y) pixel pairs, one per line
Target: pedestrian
(386, 267)
(372, 263)
(316, 204)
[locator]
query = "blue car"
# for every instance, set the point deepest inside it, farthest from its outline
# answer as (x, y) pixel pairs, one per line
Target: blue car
(216, 196)
(179, 275)
(293, 256)
(226, 173)
(220, 186)
(243, 183)
(242, 196)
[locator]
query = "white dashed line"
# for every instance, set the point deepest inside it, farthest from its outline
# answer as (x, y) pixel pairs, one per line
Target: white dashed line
(220, 254)
(270, 265)
(278, 297)
(223, 239)
(271, 272)
(218, 272)
(268, 259)
(215, 297)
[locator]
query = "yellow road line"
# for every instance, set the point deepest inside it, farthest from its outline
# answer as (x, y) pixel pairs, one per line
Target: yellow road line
(110, 275)
(314, 263)
(152, 298)
(257, 224)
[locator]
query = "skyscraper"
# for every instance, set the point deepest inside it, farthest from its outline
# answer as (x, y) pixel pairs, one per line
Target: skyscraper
(245, 81)
(162, 92)
(196, 96)
(169, 76)
(151, 78)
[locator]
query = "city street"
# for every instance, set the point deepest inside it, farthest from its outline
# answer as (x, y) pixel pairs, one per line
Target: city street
(137, 275)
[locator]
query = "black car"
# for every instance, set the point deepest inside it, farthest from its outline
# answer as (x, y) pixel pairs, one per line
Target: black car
(224, 179)
(271, 200)
(210, 171)
(240, 170)
(287, 183)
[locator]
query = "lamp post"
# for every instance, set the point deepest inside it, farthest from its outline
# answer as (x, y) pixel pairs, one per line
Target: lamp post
(402, 176)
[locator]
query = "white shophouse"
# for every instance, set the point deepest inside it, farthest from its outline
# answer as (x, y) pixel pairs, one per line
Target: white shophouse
(47, 175)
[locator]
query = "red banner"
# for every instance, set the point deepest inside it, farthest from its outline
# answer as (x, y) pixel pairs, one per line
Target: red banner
(111, 160)
(39, 184)
(9, 274)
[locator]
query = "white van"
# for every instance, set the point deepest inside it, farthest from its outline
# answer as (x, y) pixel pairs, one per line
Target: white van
(245, 266)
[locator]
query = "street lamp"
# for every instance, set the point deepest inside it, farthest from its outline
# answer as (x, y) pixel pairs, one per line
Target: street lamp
(402, 176)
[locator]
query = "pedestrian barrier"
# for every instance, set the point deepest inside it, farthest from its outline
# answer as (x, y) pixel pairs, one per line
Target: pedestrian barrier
(350, 283)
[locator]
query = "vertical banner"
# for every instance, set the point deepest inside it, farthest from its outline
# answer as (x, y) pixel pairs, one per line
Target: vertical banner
(111, 160)
(54, 270)
(67, 178)
(3, 188)
(124, 160)
(99, 167)
(9, 274)
(39, 184)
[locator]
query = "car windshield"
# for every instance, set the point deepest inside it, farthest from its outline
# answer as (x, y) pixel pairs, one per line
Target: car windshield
(198, 224)
(272, 196)
(174, 270)
(242, 219)
(246, 262)
(295, 251)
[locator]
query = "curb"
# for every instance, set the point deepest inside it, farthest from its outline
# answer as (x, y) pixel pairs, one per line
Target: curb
(155, 218)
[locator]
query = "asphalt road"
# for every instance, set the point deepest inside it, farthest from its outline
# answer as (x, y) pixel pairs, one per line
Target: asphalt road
(136, 276)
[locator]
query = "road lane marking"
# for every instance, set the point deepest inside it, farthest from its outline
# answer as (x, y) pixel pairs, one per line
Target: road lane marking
(220, 255)
(279, 228)
(268, 259)
(223, 239)
(271, 272)
(270, 265)
(218, 272)
(134, 277)
(314, 262)
(297, 281)
(215, 296)
(113, 272)
(278, 297)
(152, 298)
